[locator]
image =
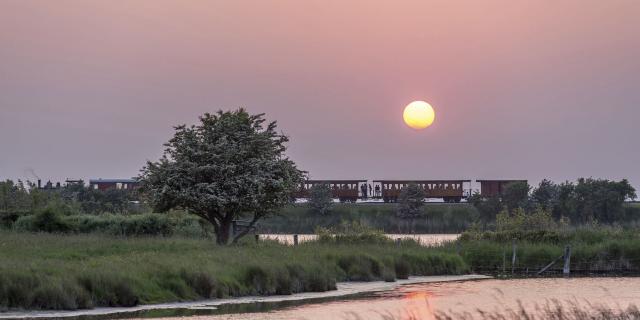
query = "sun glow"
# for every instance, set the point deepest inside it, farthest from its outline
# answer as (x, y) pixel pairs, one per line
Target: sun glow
(418, 115)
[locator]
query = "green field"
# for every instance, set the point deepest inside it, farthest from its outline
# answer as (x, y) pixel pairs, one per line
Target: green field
(45, 271)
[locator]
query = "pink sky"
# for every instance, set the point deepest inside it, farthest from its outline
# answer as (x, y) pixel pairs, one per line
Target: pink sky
(521, 89)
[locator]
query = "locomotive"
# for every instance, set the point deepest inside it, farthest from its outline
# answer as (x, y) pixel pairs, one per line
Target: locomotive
(451, 191)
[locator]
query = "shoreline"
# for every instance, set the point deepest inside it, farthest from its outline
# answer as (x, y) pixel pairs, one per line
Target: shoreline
(343, 289)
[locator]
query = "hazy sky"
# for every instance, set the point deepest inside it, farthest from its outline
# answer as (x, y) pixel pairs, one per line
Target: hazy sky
(521, 89)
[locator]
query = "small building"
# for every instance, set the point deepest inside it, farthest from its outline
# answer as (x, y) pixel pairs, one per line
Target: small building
(118, 184)
(492, 188)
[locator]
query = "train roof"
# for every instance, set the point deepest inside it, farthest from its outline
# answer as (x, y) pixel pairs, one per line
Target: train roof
(97, 181)
(338, 181)
(421, 181)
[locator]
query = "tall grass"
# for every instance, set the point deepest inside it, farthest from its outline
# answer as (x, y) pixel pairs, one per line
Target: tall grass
(593, 250)
(49, 271)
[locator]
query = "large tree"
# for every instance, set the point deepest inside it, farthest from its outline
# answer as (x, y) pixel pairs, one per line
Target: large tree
(229, 166)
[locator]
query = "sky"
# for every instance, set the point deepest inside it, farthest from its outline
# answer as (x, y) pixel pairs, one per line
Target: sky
(521, 89)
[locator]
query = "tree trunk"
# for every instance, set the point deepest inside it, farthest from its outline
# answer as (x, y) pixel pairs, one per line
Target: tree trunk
(223, 234)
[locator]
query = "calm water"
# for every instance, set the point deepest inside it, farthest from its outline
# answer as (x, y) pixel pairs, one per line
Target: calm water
(424, 239)
(421, 301)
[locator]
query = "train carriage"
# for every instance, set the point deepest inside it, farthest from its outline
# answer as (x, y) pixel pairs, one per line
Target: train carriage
(343, 190)
(447, 190)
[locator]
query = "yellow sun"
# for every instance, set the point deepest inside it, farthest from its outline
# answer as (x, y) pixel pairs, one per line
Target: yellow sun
(418, 115)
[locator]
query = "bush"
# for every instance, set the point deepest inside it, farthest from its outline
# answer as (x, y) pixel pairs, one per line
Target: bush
(47, 220)
(350, 233)
(149, 224)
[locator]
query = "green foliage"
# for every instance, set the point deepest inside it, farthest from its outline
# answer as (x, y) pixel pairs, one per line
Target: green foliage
(150, 224)
(545, 195)
(46, 220)
(93, 201)
(49, 220)
(520, 221)
(582, 202)
(515, 195)
(320, 198)
(410, 201)
(71, 272)
(349, 233)
(230, 165)
(488, 208)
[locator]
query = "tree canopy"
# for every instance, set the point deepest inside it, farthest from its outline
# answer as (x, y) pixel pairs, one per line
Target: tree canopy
(227, 167)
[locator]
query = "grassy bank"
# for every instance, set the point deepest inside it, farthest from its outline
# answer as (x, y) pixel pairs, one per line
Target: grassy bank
(594, 250)
(44, 271)
(435, 218)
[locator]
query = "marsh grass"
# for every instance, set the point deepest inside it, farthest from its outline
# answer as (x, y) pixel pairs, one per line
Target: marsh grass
(593, 249)
(49, 271)
(551, 310)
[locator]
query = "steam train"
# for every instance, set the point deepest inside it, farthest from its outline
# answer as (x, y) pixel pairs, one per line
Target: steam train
(451, 191)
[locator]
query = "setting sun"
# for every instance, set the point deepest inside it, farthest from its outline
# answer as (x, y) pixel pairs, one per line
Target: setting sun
(418, 115)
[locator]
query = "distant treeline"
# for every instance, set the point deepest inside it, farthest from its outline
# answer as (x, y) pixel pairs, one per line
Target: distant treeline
(585, 201)
(25, 198)
(77, 209)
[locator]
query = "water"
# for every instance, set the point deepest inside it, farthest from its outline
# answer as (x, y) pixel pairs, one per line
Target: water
(422, 301)
(424, 239)
(417, 298)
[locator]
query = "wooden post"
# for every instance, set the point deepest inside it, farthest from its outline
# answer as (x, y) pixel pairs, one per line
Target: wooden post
(504, 261)
(295, 239)
(257, 238)
(513, 257)
(567, 260)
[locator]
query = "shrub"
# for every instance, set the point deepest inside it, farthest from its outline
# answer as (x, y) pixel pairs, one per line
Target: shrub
(46, 220)
(350, 233)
